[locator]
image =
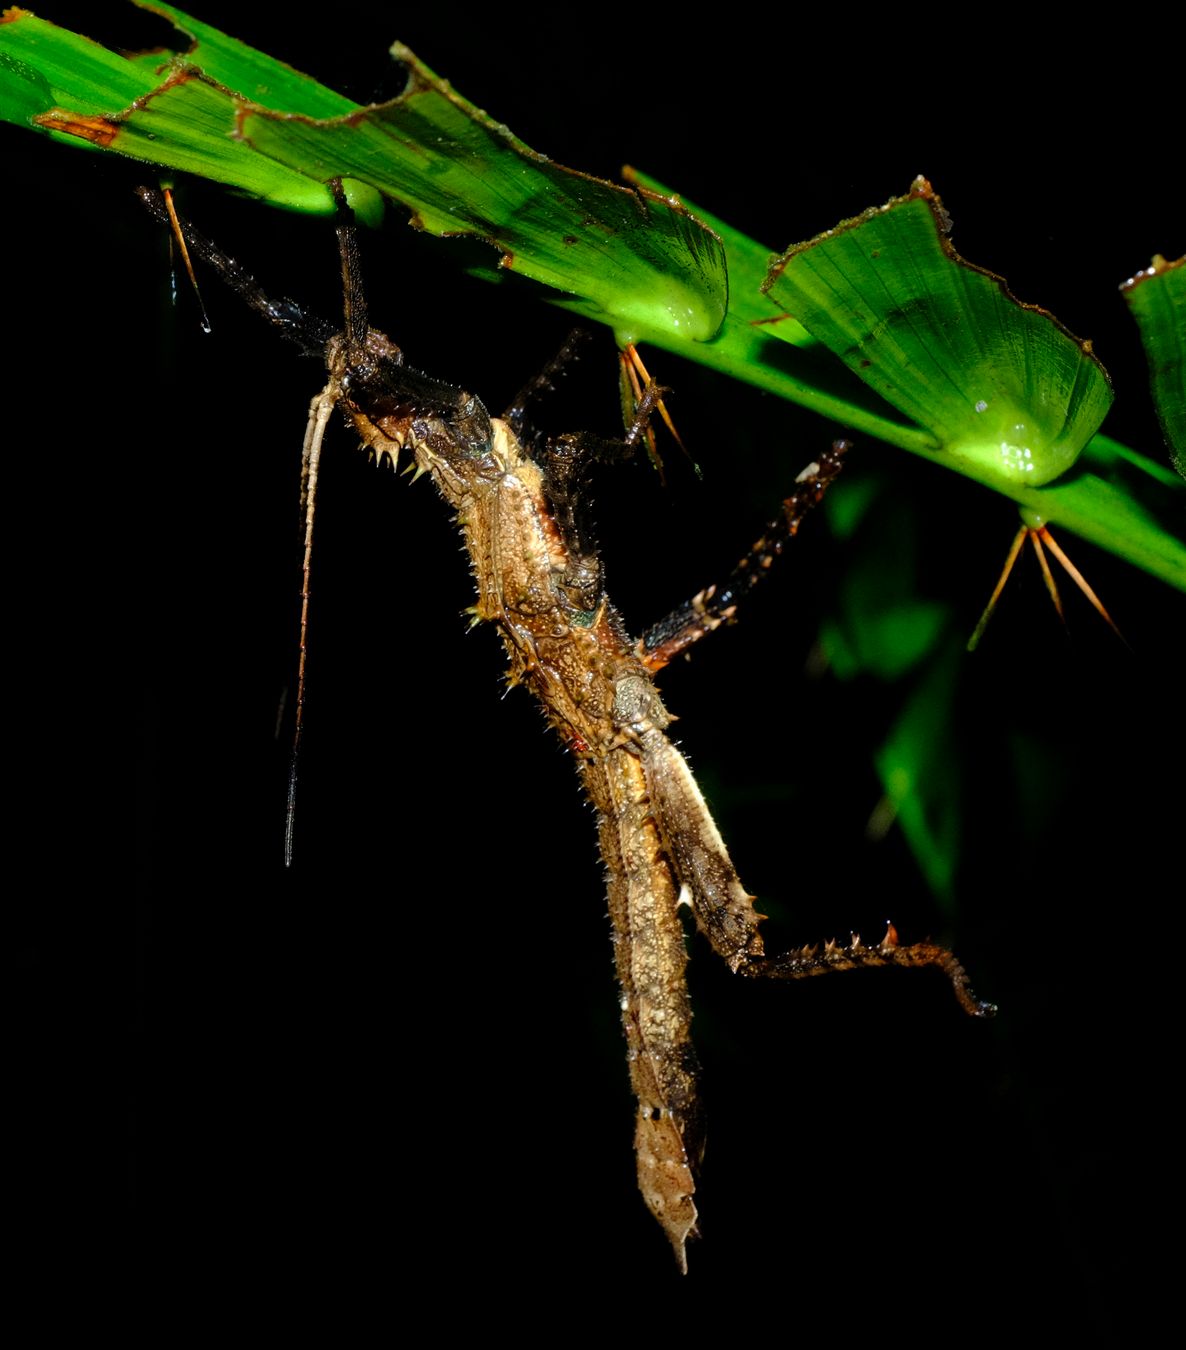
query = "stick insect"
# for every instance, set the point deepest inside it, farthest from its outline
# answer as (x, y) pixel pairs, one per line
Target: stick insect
(520, 503)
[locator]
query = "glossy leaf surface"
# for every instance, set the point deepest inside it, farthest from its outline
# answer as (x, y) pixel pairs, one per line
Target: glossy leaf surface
(1157, 299)
(1000, 384)
(637, 261)
(232, 114)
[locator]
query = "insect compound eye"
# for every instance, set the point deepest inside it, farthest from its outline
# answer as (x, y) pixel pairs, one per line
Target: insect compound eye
(359, 374)
(473, 426)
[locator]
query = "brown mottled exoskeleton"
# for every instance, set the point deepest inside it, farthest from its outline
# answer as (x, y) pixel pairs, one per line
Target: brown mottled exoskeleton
(539, 579)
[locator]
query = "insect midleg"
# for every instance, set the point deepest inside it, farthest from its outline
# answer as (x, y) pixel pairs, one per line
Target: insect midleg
(716, 605)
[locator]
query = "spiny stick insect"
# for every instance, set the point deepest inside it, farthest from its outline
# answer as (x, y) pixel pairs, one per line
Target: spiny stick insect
(520, 502)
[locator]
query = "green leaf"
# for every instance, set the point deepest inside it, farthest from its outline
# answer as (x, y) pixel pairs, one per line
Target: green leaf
(749, 265)
(230, 113)
(1156, 298)
(1104, 499)
(637, 260)
(922, 779)
(764, 346)
(252, 75)
(880, 624)
(997, 383)
(634, 258)
(150, 108)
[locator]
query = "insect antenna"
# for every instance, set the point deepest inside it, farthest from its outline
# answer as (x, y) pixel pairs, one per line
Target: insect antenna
(320, 412)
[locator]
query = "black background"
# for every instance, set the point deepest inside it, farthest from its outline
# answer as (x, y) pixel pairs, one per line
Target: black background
(390, 1082)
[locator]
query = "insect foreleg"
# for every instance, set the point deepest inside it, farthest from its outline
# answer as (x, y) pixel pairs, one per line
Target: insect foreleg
(307, 330)
(544, 382)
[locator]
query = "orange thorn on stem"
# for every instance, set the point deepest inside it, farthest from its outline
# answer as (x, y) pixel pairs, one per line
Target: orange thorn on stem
(638, 378)
(990, 608)
(189, 267)
(1038, 536)
(1080, 580)
(636, 362)
(1048, 575)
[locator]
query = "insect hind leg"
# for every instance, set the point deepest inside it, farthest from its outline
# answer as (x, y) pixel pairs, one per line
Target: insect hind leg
(803, 962)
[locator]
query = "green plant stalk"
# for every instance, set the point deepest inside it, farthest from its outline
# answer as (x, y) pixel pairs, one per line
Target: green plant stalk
(753, 343)
(1083, 501)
